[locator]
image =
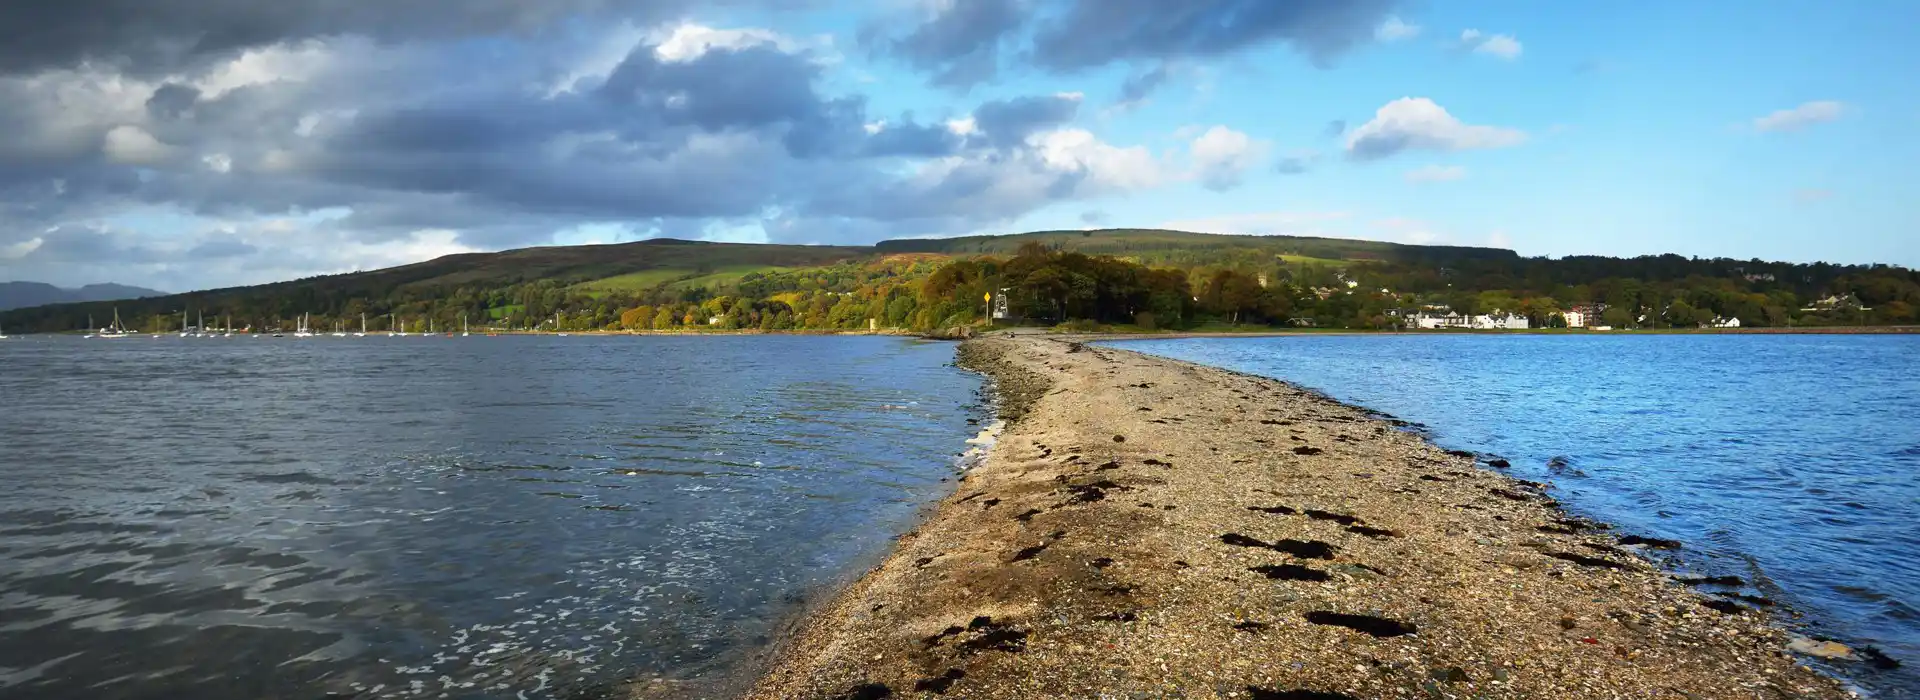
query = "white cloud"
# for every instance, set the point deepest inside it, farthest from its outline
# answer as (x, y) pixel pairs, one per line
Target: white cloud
(286, 62)
(1807, 114)
(1496, 45)
(1222, 157)
(964, 126)
(1264, 223)
(16, 251)
(1499, 239)
(1418, 123)
(132, 145)
(1395, 30)
(1405, 230)
(217, 162)
(1107, 167)
(1500, 45)
(1436, 173)
(677, 43)
(690, 41)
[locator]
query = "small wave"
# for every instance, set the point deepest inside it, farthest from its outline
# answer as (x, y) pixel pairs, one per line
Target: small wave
(295, 478)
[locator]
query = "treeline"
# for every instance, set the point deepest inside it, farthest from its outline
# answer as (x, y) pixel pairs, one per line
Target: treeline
(1049, 283)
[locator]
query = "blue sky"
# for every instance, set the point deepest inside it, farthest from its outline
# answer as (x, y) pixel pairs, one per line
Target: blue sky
(1776, 130)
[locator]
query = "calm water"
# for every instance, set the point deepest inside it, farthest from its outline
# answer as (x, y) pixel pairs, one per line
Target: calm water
(1792, 461)
(427, 517)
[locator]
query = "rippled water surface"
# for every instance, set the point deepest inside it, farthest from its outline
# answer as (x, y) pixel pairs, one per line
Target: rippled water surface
(428, 516)
(1792, 461)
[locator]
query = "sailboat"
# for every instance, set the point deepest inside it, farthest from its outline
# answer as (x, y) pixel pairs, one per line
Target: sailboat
(339, 331)
(113, 331)
(229, 325)
(183, 323)
(393, 331)
(463, 327)
(556, 323)
(363, 327)
(302, 331)
(429, 325)
(3, 334)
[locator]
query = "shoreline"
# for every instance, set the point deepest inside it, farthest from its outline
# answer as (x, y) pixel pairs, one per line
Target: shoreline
(937, 334)
(1149, 526)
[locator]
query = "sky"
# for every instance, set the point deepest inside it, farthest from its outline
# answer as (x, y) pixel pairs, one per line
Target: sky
(181, 144)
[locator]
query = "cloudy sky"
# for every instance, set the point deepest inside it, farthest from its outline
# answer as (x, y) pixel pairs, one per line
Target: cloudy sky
(186, 144)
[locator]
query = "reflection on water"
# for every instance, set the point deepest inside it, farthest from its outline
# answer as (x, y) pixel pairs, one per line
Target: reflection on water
(1790, 461)
(442, 517)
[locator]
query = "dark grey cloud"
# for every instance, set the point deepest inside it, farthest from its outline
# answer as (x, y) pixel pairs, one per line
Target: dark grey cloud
(1094, 217)
(159, 36)
(172, 100)
(970, 41)
(960, 46)
(1335, 128)
(1093, 33)
(1009, 122)
(371, 138)
(386, 153)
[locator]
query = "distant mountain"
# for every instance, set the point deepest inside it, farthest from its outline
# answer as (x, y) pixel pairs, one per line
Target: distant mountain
(20, 295)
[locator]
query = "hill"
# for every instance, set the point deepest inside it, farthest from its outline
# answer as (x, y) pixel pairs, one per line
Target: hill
(1160, 245)
(1145, 276)
(20, 295)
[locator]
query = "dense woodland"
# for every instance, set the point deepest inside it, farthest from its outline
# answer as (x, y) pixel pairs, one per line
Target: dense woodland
(1165, 281)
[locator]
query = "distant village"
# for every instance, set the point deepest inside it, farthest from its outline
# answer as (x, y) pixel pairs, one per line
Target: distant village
(1438, 316)
(1443, 317)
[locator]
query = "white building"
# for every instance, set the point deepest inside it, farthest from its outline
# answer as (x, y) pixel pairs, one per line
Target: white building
(1496, 321)
(1720, 322)
(1511, 322)
(1574, 318)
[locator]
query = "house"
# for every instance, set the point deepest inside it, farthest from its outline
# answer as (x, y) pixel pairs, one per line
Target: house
(1501, 321)
(1583, 315)
(1429, 320)
(1722, 322)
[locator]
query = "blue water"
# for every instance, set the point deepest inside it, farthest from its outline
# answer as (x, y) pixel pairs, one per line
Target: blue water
(444, 517)
(1792, 461)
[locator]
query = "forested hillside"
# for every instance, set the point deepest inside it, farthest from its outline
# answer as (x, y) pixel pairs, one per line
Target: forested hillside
(1136, 277)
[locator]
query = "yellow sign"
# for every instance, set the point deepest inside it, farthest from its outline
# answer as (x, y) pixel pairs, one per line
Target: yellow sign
(988, 296)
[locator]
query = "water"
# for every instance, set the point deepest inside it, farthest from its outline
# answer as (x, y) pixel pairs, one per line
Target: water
(1792, 461)
(428, 517)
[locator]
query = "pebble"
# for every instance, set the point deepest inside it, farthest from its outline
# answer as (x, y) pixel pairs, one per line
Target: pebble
(1821, 649)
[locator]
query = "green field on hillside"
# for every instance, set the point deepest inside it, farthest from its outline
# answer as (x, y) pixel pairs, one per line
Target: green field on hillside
(1310, 260)
(677, 278)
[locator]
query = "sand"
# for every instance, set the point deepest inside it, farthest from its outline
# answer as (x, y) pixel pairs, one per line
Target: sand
(1152, 528)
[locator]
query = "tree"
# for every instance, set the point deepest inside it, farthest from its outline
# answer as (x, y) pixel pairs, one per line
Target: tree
(663, 320)
(1617, 317)
(638, 318)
